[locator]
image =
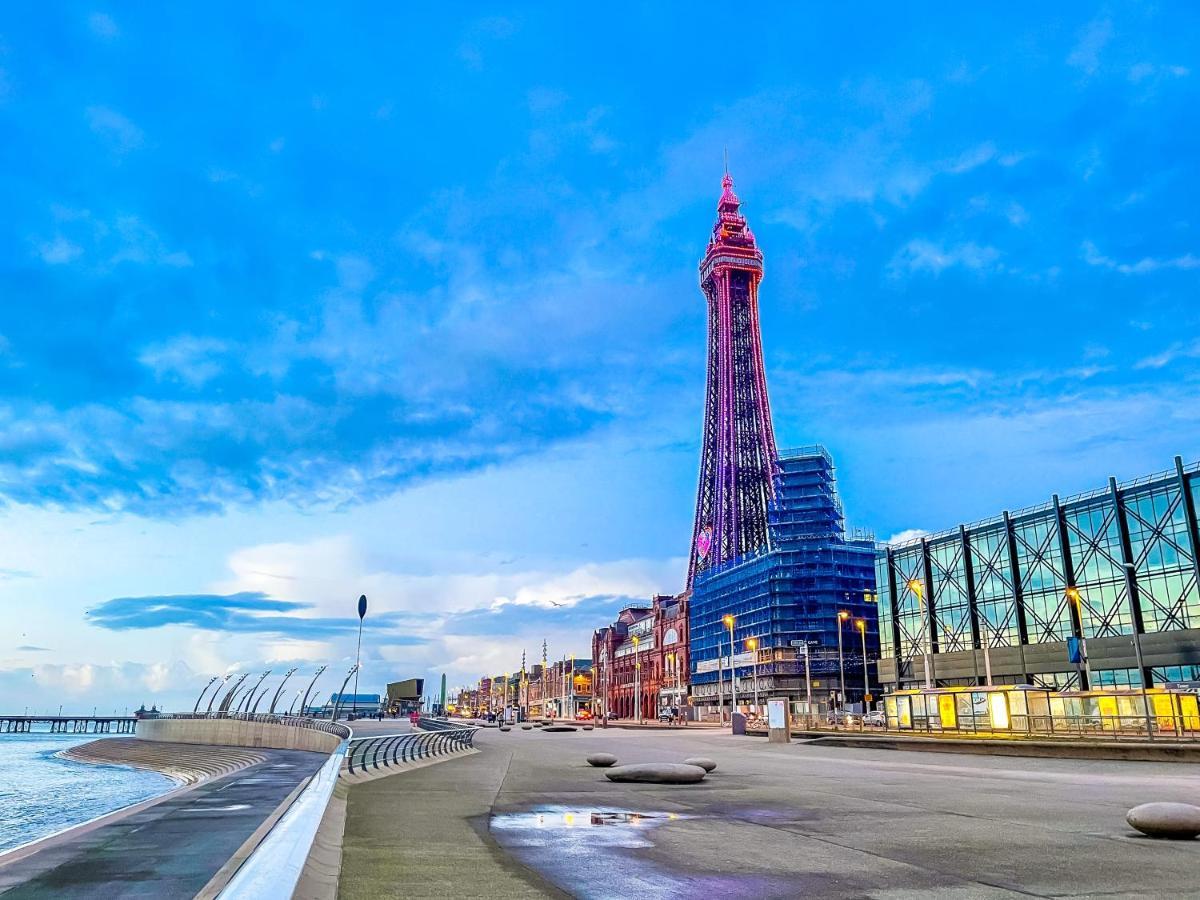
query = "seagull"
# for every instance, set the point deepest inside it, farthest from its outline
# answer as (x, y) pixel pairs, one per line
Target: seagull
(552, 603)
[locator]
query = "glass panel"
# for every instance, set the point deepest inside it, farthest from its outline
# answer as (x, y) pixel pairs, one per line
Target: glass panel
(1162, 554)
(1095, 542)
(992, 568)
(1043, 582)
(951, 606)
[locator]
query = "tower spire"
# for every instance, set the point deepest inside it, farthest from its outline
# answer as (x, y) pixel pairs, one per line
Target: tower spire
(738, 459)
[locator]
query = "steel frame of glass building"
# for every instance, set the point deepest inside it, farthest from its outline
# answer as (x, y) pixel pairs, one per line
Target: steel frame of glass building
(1012, 591)
(788, 595)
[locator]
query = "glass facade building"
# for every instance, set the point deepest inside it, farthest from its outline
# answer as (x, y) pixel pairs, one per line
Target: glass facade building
(787, 597)
(1064, 595)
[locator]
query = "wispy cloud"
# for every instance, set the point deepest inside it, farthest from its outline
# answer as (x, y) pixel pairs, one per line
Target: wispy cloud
(31, 648)
(1093, 257)
(920, 255)
(1171, 354)
(194, 360)
(1094, 37)
(116, 130)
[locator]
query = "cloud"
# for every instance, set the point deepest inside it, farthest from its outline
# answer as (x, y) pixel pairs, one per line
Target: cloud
(1085, 56)
(103, 26)
(12, 574)
(118, 132)
(1170, 355)
(59, 251)
(920, 255)
(30, 648)
(1093, 257)
(908, 534)
(243, 613)
(193, 360)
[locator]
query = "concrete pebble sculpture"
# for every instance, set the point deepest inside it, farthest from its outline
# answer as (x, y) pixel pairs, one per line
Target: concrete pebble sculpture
(602, 760)
(656, 773)
(1179, 821)
(556, 728)
(702, 761)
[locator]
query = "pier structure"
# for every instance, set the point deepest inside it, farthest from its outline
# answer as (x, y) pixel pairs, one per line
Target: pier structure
(70, 724)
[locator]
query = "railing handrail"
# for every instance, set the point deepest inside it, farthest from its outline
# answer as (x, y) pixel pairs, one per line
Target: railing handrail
(274, 867)
(335, 728)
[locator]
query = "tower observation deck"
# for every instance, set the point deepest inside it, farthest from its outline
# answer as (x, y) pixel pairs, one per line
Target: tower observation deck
(738, 459)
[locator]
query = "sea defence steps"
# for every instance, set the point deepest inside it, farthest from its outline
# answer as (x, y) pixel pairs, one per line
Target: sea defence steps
(252, 731)
(185, 763)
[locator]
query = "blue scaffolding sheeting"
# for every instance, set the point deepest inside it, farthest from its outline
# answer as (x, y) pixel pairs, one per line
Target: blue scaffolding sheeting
(789, 594)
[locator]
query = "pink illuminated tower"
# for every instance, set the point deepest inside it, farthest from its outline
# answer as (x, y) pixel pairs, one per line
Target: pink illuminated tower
(738, 461)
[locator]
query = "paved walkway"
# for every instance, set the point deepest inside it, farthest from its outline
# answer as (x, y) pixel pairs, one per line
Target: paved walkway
(517, 820)
(169, 849)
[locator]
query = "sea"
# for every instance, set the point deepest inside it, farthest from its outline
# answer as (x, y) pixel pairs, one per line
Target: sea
(41, 793)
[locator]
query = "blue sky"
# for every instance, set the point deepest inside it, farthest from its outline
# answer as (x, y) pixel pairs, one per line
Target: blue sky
(299, 303)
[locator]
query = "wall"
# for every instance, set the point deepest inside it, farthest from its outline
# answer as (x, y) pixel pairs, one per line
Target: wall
(235, 733)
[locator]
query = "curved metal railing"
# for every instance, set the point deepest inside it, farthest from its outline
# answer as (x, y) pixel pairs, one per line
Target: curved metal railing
(334, 728)
(386, 750)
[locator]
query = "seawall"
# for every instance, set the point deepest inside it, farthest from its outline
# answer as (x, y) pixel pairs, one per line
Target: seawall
(186, 763)
(237, 733)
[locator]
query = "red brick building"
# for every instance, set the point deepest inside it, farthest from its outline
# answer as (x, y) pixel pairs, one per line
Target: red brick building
(656, 636)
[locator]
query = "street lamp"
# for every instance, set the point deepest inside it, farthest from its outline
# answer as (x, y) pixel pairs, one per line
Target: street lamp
(637, 676)
(842, 616)
(861, 625)
(1076, 600)
(915, 586)
(752, 646)
(729, 620)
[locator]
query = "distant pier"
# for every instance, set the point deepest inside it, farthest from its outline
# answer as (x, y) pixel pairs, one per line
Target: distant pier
(70, 724)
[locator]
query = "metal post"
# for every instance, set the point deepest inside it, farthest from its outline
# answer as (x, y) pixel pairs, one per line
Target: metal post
(279, 691)
(732, 676)
(980, 628)
(196, 708)
(312, 684)
(1134, 605)
(927, 599)
(841, 705)
(862, 630)
(362, 611)
(807, 688)
(754, 661)
(720, 690)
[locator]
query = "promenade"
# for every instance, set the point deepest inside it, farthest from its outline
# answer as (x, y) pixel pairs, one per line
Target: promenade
(772, 821)
(164, 848)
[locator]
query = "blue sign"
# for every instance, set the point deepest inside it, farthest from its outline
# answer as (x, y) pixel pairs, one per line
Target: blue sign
(1075, 650)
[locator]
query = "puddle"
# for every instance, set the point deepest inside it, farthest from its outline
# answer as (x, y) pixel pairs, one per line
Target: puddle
(587, 826)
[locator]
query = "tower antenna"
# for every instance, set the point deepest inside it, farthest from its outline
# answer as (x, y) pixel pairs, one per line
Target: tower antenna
(727, 160)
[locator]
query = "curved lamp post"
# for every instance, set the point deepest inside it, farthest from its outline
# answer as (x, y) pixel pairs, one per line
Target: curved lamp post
(244, 706)
(254, 707)
(216, 693)
(196, 708)
(224, 707)
(286, 675)
(304, 702)
(337, 704)
(362, 612)
(294, 699)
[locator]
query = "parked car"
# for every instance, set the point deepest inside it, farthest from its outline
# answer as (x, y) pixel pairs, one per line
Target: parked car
(841, 717)
(876, 718)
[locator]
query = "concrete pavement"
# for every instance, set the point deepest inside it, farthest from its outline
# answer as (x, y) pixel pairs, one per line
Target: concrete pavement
(772, 821)
(161, 850)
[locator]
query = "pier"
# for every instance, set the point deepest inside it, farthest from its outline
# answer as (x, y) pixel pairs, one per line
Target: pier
(70, 724)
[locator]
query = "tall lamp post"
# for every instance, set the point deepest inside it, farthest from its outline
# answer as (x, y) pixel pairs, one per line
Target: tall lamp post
(915, 586)
(729, 620)
(637, 681)
(842, 616)
(362, 611)
(752, 646)
(196, 708)
(861, 625)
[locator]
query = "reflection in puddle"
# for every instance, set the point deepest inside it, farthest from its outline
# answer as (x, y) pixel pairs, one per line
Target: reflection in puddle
(588, 827)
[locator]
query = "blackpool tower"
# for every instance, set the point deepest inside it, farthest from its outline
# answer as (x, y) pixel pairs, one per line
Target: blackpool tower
(737, 464)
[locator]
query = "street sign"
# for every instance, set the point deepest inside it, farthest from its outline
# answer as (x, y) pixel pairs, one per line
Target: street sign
(868, 698)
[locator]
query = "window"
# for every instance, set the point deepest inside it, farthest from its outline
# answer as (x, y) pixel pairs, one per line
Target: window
(991, 567)
(951, 604)
(1043, 582)
(1162, 554)
(1095, 543)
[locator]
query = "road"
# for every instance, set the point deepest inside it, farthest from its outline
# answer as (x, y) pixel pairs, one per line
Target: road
(771, 821)
(168, 850)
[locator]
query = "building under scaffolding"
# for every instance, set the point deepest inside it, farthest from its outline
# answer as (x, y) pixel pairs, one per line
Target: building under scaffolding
(788, 600)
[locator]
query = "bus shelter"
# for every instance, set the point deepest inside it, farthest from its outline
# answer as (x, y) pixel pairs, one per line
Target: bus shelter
(1026, 709)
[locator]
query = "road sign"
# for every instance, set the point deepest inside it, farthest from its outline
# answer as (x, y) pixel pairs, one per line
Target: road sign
(868, 698)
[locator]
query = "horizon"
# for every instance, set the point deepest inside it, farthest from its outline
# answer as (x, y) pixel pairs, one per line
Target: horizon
(406, 306)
